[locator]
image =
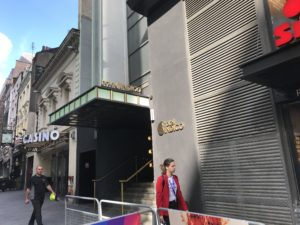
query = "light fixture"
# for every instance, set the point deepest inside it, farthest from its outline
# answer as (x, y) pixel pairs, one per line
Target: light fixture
(150, 165)
(149, 138)
(150, 151)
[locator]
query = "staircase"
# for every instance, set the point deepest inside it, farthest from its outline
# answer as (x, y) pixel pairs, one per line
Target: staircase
(140, 193)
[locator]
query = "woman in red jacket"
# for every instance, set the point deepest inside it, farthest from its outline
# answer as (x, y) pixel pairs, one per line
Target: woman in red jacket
(168, 193)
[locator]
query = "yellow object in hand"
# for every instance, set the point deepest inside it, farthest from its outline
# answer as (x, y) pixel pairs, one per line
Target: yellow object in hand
(52, 196)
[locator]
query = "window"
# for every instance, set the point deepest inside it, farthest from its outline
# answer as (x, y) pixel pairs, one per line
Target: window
(66, 95)
(38, 71)
(278, 17)
(53, 105)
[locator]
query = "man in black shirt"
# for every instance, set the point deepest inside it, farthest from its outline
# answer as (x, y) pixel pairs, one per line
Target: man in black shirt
(36, 191)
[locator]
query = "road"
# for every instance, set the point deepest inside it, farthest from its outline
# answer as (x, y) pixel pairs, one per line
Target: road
(13, 211)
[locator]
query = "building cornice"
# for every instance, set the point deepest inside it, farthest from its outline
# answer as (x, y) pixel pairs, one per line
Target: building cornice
(69, 45)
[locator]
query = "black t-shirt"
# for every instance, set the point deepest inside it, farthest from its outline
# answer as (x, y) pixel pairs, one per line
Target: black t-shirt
(37, 185)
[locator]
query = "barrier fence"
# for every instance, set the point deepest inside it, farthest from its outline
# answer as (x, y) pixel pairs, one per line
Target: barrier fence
(81, 210)
(178, 217)
(89, 211)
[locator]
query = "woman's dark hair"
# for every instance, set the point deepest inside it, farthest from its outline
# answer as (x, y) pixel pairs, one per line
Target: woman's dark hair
(165, 164)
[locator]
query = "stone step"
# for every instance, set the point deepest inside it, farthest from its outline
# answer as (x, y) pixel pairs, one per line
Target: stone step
(138, 193)
(141, 195)
(142, 184)
(140, 190)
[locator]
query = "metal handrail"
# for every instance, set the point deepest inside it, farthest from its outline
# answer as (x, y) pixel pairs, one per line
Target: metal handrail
(136, 173)
(122, 182)
(109, 173)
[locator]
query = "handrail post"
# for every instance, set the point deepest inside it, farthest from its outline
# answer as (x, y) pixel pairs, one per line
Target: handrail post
(136, 168)
(94, 192)
(122, 196)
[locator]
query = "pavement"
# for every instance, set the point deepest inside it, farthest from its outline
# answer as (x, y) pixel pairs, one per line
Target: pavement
(13, 211)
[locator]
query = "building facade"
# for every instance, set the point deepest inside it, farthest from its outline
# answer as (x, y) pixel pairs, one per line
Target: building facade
(218, 93)
(46, 145)
(11, 159)
(207, 52)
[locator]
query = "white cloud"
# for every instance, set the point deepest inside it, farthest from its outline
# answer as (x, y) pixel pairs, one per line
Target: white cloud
(5, 49)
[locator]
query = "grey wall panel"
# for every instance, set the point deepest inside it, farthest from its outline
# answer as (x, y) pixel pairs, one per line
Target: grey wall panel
(137, 35)
(133, 18)
(138, 49)
(139, 63)
(172, 99)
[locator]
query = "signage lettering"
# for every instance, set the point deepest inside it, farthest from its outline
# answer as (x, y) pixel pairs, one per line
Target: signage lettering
(286, 32)
(40, 137)
(120, 86)
(170, 126)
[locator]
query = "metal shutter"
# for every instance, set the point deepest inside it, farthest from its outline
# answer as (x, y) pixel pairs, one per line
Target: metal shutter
(242, 171)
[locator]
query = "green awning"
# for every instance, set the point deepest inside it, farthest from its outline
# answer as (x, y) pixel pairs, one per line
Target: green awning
(101, 107)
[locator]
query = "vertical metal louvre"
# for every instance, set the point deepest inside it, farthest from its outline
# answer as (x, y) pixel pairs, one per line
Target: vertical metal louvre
(242, 170)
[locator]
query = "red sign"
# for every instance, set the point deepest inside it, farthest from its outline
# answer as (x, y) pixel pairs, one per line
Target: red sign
(286, 32)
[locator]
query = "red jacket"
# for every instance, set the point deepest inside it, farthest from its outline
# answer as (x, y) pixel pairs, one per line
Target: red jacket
(162, 194)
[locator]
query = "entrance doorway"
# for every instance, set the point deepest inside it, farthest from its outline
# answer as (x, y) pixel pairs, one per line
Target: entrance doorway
(292, 125)
(29, 170)
(59, 172)
(87, 170)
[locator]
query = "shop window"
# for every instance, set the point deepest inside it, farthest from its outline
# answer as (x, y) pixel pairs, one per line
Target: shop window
(277, 15)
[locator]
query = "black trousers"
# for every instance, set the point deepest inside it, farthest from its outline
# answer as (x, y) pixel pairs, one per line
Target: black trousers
(172, 205)
(37, 212)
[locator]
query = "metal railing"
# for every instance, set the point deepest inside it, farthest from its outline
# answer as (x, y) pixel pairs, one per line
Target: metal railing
(78, 213)
(80, 210)
(122, 182)
(145, 209)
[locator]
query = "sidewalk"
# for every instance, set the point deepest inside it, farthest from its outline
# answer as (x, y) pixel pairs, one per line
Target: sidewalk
(13, 211)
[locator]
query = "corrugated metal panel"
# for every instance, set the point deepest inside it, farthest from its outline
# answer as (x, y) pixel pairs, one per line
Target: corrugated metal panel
(193, 6)
(250, 168)
(252, 212)
(218, 68)
(207, 28)
(238, 113)
(298, 215)
(242, 169)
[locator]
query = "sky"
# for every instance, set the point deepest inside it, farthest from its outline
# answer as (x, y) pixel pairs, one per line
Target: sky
(23, 22)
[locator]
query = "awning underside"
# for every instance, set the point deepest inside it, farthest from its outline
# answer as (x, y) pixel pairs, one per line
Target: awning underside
(104, 108)
(279, 69)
